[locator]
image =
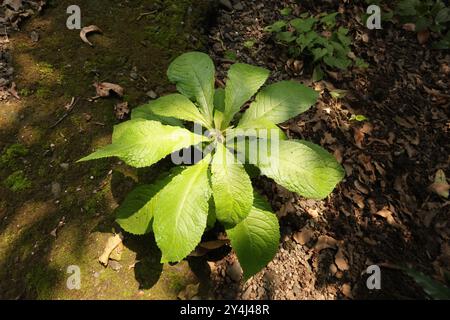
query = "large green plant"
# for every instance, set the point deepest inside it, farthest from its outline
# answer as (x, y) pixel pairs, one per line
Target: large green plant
(179, 207)
(433, 15)
(317, 38)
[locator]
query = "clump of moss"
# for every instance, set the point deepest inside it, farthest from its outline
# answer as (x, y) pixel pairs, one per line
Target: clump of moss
(9, 156)
(45, 69)
(43, 93)
(25, 92)
(17, 182)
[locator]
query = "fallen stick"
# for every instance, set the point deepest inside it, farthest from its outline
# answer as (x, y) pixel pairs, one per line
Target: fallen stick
(70, 108)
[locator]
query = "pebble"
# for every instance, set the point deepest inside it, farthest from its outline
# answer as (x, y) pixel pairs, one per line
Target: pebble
(238, 6)
(34, 36)
(56, 189)
(152, 94)
(116, 266)
(227, 4)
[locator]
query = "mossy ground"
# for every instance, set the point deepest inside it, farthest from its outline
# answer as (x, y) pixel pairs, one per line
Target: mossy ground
(33, 262)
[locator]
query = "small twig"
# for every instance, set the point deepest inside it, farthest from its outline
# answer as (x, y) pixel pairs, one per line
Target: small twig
(146, 14)
(70, 108)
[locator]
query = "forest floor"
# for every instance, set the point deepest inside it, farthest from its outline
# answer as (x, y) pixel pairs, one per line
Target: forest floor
(55, 213)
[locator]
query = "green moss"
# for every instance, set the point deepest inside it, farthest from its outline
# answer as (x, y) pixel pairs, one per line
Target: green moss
(45, 69)
(41, 282)
(43, 93)
(17, 182)
(25, 92)
(177, 281)
(174, 34)
(9, 157)
(96, 202)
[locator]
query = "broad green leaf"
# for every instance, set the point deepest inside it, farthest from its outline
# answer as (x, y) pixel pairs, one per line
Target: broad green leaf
(276, 27)
(286, 11)
(318, 74)
(304, 168)
(434, 289)
(280, 102)
(319, 53)
(177, 106)
(232, 188)
(407, 7)
(219, 107)
(256, 239)
(144, 112)
(330, 19)
(303, 25)
(337, 62)
(135, 215)
(212, 218)
(360, 63)
(219, 99)
(262, 128)
(194, 75)
(286, 36)
(141, 143)
(443, 16)
(181, 212)
(305, 40)
(251, 149)
(243, 82)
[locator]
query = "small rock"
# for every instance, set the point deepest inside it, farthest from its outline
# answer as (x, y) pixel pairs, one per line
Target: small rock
(34, 36)
(234, 271)
(152, 94)
(227, 4)
(56, 189)
(238, 6)
(64, 166)
(116, 266)
(134, 75)
(303, 236)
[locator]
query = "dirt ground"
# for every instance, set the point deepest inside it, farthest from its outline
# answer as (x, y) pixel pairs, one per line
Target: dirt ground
(55, 213)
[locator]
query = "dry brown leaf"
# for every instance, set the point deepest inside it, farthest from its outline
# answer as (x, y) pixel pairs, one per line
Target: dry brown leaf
(189, 292)
(387, 214)
(347, 291)
(14, 4)
(361, 132)
(286, 209)
(325, 242)
(104, 89)
(440, 185)
(303, 236)
(327, 139)
(409, 27)
(84, 32)
(111, 244)
(340, 260)
(338, 155)
(403, 122)
(121, 110)
(423, 36)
